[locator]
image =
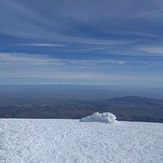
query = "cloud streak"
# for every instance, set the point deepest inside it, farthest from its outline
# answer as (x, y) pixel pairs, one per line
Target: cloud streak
(153, 50)
(21, 58)
(41, 44)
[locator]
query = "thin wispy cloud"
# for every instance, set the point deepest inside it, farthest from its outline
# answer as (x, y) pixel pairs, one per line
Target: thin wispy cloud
(41, 44)
(153, 50)
(17, 58)
(26, 59)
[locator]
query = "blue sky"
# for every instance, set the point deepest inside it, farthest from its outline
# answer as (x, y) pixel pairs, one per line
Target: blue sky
(79, 41)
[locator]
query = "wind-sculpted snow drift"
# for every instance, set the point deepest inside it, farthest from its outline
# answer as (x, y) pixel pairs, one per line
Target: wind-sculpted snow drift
(100, 117)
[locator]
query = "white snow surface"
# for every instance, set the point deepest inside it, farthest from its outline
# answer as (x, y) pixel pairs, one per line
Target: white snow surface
(72, 141)
(100, 117)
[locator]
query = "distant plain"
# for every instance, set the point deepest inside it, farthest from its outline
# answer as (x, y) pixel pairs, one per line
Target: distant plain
(76, 101)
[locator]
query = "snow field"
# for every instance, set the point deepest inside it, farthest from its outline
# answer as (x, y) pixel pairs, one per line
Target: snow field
(72, 141)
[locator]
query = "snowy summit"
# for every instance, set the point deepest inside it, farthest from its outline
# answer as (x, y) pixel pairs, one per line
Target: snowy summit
(73, 141)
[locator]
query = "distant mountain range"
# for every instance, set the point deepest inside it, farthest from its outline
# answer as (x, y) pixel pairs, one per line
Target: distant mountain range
(134, 108)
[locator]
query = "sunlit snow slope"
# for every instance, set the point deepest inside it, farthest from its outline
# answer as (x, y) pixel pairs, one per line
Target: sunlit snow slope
(72, 141)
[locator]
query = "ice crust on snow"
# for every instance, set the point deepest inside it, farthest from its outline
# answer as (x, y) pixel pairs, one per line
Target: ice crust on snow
(100, 117)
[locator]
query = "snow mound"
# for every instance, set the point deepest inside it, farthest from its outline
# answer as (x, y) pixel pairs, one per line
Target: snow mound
(100, 117)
